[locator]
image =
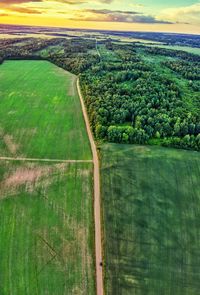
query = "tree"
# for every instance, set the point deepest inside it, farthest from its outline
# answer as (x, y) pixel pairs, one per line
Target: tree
(157, 135)
(125, 138)
(100, 131)
(186, 140)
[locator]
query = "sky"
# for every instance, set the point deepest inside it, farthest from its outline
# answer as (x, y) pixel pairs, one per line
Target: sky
(182, 16)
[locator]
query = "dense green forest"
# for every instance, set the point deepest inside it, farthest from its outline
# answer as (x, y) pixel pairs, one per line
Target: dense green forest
(134, 93)
(132, 97)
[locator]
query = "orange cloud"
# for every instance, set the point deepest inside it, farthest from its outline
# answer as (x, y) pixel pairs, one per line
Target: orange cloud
(106, 15)
(14, 6)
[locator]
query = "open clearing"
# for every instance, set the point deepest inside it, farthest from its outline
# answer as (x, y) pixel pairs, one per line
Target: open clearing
(151, 202)
(46, 184)
(176, 47)
(40, 112)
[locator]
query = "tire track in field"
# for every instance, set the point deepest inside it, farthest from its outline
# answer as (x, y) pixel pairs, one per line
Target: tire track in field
(43, 160)
(97, 200)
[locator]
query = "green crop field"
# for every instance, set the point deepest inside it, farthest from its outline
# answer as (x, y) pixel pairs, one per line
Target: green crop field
(46, 229)
(40, 113)
(151, 206)
(46, 208)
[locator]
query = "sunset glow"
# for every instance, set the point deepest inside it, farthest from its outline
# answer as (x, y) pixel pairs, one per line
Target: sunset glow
(142, 15)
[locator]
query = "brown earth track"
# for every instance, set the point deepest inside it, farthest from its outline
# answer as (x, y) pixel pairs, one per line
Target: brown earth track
(97, 201)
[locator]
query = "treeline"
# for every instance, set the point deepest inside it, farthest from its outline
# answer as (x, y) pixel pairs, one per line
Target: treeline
(26, 50)
(76, 65)
(187, 142)
(170, 39)
(7, 42)
(188, 70)
(76, 57)
(171, 53)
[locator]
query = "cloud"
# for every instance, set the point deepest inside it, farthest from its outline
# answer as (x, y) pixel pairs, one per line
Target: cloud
(186, 14)
(70, 2)
(106, 1)
(78, 2)
(16, 6)
(42, 6)
(15, 2)
(136, 5)
(61, 8)
(25, 10)
(106, 15)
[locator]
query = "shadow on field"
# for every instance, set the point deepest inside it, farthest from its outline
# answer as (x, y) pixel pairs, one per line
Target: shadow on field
(151, 201)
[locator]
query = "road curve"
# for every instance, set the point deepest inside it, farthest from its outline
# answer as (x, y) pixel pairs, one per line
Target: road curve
(97, 200)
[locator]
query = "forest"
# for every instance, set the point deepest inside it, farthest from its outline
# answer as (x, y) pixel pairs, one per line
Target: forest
(129, 101)
(129, 98)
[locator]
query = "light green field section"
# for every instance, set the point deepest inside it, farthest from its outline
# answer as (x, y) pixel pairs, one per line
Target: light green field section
(107, 55)
(151, 206)
(40, 112)
(176, 47)
(46, 229)
(56, 49)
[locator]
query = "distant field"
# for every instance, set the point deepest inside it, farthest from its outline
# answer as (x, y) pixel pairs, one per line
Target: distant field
(40, 113)
(183, 48)
(23, 35)
(130, 39)
(46, 244)
(151, 205)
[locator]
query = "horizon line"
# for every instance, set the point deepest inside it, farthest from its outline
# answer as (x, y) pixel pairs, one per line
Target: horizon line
(95, 30)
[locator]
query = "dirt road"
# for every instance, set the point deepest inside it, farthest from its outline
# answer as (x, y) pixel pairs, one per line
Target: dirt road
(97, 48)
(97, 201)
